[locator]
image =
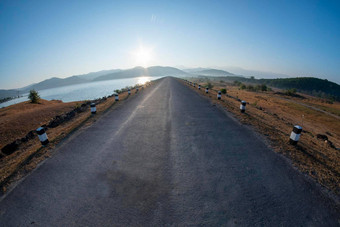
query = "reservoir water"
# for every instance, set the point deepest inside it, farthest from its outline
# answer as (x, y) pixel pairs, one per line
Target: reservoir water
(86, 91)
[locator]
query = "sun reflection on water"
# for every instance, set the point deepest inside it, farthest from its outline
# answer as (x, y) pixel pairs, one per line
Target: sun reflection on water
(143, 79)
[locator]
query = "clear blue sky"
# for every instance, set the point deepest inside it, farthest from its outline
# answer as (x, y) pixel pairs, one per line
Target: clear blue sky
(42, 39)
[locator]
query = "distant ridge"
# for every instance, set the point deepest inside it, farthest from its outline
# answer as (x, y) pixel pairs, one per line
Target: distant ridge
(154, 71)
(93, 75)
(56, 82)
(309, 85)
(209, 72)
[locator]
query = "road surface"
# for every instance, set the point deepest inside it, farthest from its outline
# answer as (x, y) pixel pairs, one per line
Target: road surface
(166, 157)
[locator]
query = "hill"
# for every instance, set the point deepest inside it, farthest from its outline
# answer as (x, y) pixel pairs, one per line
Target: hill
(309, 85)
(93, 75)
(56, 82)
(154, 71)
(209, 72)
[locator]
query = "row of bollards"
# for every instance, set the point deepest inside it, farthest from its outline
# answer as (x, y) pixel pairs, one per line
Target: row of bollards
(295, 134)
(41, 131)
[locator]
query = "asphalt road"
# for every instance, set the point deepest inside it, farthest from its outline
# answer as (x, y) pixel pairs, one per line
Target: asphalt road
(166, 157)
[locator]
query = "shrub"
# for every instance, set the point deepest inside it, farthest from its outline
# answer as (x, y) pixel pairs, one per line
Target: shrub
(209, 85)
(250, 88)
(224, 91)
(290, 92)
(242, 87)
(34, 96)
(237, 83)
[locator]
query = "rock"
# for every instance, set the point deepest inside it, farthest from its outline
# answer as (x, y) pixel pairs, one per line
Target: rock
(71, 114)
(10, 148)
(30, 135)
(321, 137)
(55, 122)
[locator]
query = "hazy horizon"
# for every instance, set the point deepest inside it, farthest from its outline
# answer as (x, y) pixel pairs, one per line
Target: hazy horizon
(44, 39)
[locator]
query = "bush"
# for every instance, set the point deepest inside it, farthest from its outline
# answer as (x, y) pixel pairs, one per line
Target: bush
(261, 87)
(250, 88)
(224, 91)
(242, 87)
(237, 83)
(209, 85)
(34, 96)
(290, 92)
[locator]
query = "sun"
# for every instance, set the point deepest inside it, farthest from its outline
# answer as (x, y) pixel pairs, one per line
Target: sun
(143, 56)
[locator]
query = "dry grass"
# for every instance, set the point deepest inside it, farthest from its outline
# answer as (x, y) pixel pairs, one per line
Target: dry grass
(31, 116)
(17, 120)
(274, 116)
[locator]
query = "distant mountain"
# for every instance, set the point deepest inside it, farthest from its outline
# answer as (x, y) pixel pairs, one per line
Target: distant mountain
(310, 85)
(209, 72)
(154, 71)
(93, 75)
(193, 70)
(56, 82)
(256, 74)
(8, 93)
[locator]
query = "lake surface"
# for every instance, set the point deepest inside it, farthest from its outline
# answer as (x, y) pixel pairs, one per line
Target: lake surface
(86, 91)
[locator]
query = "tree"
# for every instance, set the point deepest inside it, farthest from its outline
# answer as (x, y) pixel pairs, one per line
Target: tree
(224, 91)
(34, 96)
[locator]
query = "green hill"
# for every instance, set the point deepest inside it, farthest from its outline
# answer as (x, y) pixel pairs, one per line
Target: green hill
(308, 85)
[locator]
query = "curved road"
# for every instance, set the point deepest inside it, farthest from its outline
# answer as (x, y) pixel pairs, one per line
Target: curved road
(166, 157)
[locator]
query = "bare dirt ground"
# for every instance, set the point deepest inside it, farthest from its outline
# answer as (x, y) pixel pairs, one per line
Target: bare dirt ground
(274, 115)
(17, 120)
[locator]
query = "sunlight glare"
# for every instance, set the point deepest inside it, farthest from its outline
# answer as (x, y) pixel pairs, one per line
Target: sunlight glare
(142, 80)
(143, 56)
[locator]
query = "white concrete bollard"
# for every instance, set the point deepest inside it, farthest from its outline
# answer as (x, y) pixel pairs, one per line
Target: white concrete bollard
(93, 108)
(207, 90)
(219, 95)
(295, 135)
(116, 97)
(199, 87)
(42, 136)
(194, 84)
(243, 106)
(129, 92)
